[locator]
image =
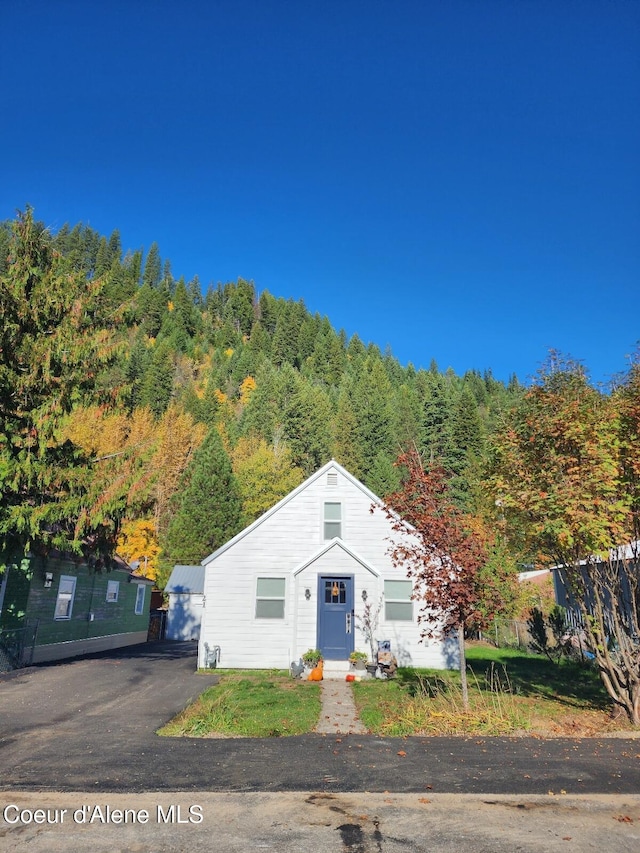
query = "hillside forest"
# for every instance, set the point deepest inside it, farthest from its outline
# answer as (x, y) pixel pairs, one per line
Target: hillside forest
(159, 416)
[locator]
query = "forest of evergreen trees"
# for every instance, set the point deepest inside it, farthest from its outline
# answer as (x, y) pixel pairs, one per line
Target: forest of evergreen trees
(133, 388)
(140, 415)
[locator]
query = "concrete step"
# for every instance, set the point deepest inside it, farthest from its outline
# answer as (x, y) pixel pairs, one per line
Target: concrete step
(336, 669)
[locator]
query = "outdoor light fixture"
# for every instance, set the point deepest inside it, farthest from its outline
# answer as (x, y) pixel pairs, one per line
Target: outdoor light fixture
(364, 594)
(307, 593)
(48, 580)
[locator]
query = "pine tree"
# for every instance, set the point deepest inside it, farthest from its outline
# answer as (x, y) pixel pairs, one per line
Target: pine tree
(52, 346)
(372, 407)
(268, 311)
(151, 310)
(436, 424)
(209, 506)
(306, 427)
(406, 418)
(115, 246)
(157, 385)
(103, 258)
(152, 267)
(239, 302)
(285, 338)
(346, 447)
(184, 312)
(466, 445)
(383, 477)
(139, 358)
(133, 265)
(5, 239)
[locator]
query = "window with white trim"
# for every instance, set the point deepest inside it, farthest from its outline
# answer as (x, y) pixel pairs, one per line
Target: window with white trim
(270, 598)
(332, 520)
(140, 599)
(113, 588)
(66, 594)
(398, 606)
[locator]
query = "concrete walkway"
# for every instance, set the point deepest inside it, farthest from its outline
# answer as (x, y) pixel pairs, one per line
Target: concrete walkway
(338, 714)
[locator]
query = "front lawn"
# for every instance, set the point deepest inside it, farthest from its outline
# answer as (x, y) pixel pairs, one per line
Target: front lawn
(250, 703)
(510, 692)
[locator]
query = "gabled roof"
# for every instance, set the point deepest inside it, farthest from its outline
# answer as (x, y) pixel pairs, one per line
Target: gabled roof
(332, 465)
(335, 543)
(186, 579)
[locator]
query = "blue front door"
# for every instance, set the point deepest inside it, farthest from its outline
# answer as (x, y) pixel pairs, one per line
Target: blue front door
(335, 616)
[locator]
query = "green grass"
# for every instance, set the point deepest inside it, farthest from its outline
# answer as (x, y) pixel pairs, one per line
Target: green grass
(509, 692)
(430, 703)
(255, 703)
(569, 683)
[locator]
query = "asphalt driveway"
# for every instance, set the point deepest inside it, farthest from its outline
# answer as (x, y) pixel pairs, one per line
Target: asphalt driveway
(89, 724)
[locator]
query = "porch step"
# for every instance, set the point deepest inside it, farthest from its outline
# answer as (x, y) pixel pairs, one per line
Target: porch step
(336, 669)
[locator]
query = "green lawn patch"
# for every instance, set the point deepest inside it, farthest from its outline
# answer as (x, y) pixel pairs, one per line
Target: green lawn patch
(510, 692)
(250, 703)
(569, 682)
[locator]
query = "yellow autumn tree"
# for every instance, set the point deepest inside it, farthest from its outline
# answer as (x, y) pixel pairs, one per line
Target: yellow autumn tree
(138, 542)
(178, 437)
(137, 461)
(118, 446)
(265, 474)
(247, 387)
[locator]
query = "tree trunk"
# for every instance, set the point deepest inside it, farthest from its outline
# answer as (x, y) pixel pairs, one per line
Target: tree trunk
(463, 668)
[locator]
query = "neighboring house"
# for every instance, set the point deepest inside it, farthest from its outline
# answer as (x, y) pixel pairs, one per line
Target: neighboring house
(57, 607)
(185, 589)
(299, 576)
(622, 565)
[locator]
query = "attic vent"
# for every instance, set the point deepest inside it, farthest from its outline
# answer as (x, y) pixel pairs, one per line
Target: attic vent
(332, 479)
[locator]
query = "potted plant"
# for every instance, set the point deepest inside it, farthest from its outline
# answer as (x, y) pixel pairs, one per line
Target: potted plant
(358, 659)
(312, 658)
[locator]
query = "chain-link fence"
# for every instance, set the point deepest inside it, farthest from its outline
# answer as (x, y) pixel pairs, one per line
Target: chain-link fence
(509, 634)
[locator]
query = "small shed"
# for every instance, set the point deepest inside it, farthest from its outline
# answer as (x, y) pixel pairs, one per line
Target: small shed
(186, 600)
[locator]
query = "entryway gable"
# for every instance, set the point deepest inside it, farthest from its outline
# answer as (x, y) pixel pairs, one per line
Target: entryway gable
(335, 556)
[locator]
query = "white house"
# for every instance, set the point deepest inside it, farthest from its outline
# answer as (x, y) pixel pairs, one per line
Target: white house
(185, 589)
(298, 579)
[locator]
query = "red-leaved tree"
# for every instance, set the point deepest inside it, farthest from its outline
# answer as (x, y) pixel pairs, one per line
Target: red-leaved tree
(443, 554)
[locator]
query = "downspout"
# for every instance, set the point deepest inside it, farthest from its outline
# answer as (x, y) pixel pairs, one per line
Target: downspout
(294, 641)
(90, 612)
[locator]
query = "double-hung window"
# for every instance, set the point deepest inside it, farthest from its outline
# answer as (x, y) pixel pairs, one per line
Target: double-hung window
(332, 520)
(270, 598)
(113, 588)
(398, 606)
(66, 594)
(140, 600)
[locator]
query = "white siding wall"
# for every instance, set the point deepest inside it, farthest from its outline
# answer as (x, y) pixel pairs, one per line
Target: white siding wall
(184, 616)
(280, 545)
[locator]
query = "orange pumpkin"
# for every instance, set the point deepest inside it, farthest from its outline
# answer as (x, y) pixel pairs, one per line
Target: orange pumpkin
(316, 672)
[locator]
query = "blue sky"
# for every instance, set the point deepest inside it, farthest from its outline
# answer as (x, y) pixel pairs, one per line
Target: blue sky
(457, 179)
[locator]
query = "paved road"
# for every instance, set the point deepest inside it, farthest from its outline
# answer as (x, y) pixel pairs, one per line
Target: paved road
(89, 724)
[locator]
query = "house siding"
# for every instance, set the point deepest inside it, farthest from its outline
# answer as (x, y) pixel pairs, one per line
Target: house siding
(283, 544)
(184, 616)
